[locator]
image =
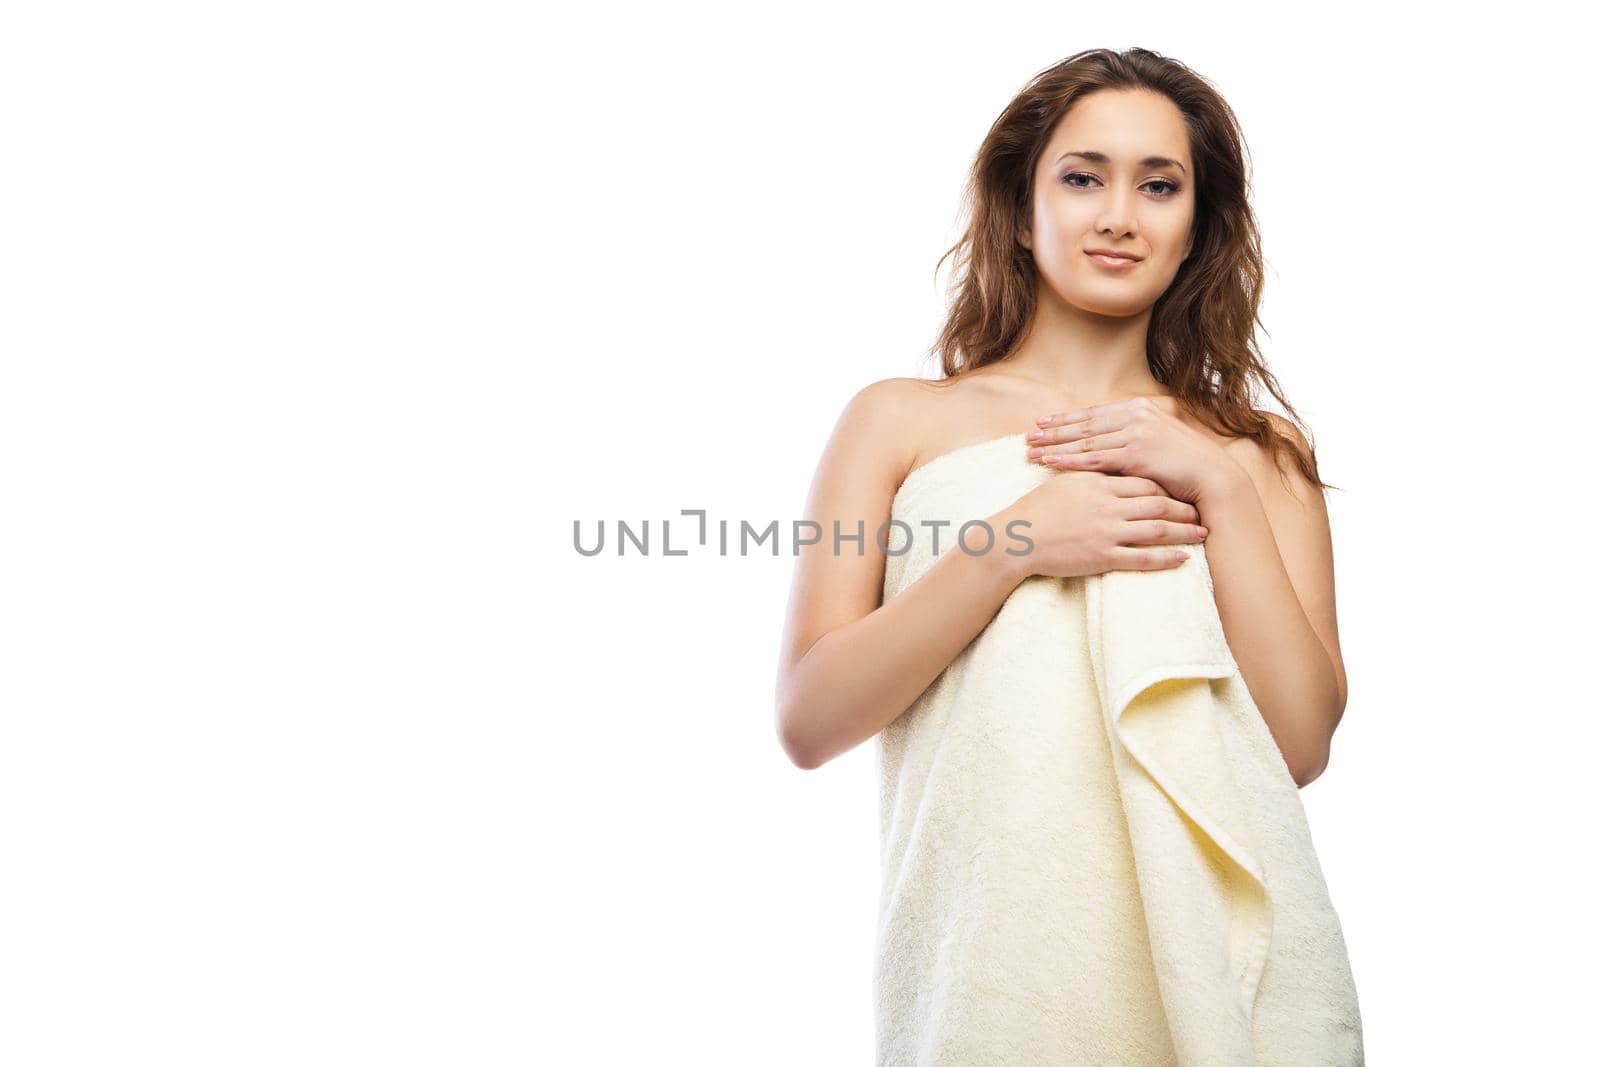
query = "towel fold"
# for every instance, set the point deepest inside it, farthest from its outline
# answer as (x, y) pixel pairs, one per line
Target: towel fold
(1092, 850)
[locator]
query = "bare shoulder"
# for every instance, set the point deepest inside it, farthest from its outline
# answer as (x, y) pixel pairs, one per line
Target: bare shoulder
(882, 417)
(1285, 429)
(890, 396)
(1266, 466)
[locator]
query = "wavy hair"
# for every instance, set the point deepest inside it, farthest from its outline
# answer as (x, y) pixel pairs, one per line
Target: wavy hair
(1201, 342)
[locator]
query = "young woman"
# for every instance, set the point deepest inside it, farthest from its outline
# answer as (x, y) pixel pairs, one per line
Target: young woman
(1093, 847)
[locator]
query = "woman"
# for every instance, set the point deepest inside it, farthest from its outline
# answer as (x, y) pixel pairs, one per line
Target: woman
(1093, 848)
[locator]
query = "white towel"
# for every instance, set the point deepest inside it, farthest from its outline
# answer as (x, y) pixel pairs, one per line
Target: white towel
(1092, 850)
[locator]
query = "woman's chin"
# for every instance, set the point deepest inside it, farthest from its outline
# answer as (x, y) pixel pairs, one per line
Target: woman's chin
(1111, 308)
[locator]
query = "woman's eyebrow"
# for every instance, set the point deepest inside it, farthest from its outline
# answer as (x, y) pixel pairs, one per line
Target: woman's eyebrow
(1147, 161)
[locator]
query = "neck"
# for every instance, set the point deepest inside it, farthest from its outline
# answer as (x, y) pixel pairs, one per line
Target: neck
(1093, 358)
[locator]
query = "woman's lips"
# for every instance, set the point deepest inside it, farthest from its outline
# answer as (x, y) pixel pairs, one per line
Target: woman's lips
(1113, 262)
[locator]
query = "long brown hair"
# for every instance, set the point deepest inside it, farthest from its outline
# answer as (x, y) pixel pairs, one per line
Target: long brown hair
(1201, 343)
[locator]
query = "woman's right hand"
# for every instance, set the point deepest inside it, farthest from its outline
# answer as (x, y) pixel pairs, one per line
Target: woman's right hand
(1089, 522)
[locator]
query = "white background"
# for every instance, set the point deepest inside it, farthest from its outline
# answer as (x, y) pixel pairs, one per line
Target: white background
(322, 323)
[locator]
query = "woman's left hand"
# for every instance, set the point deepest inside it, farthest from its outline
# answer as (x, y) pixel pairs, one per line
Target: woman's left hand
(1142, 436)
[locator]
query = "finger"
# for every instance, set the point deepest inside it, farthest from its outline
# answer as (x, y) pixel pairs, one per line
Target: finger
(1160, 506)
(1178, 511)
(1161, 532)
(1102, 441)
(1073, 429)
(1173, 509)
(1063, 418)
(1069, 457)
(1054, 431)
(1147, 559)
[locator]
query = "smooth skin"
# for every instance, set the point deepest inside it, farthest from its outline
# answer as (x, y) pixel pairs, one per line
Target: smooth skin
(1271, 558)
(851, 664)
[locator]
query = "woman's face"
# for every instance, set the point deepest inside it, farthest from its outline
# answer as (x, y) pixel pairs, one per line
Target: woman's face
(1119, 196)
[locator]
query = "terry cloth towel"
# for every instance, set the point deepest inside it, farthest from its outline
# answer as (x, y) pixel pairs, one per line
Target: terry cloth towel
(1092, 850)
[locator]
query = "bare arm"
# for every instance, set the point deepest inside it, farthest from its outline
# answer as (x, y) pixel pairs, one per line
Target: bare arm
(850, 664)
(1271, 558)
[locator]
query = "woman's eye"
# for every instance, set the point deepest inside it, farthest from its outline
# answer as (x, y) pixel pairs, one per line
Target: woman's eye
(1168, 188)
